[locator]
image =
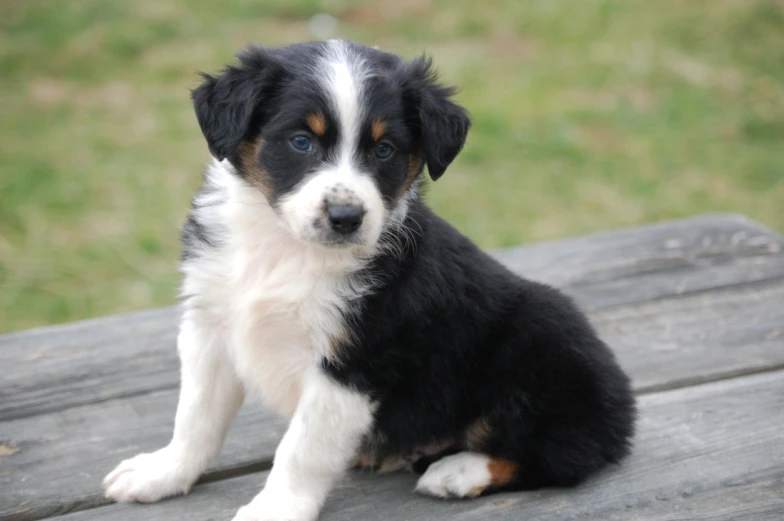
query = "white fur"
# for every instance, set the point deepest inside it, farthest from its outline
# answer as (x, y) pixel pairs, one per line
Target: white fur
(277, 301)
(209, 389)
(318, 447)
(465, 474)
(261, 310)
(343, 76)
(305, 206)
(343, 79)
(264, 303)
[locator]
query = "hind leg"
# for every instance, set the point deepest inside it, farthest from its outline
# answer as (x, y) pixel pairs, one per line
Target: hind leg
(467, 475)
(515, 449)
(472, 472)
(512, 452)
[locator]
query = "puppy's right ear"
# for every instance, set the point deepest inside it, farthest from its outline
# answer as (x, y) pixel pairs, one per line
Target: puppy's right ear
(229, 106)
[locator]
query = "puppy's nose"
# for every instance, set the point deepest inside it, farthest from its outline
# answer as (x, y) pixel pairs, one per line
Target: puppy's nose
(345, 219)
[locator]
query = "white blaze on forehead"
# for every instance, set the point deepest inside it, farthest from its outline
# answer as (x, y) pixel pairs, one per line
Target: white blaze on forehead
(343, 81)
(342, 73)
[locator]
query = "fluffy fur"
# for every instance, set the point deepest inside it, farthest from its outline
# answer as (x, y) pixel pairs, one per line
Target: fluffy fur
(315, 276)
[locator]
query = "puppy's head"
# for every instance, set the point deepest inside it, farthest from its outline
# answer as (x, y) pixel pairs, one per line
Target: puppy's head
(334, 134)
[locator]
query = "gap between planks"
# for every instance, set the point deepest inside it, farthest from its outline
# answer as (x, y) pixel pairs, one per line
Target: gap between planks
(736, 308)
(607, 270)
(639, 390)
(587, 287)
(698, 451)
(265, 464)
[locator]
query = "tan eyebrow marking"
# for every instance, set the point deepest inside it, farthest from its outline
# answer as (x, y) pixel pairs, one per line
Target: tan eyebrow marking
(377, 129)
(317, 123)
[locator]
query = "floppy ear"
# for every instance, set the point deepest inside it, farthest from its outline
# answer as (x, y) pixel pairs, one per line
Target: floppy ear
(228, 105)
(442, 124)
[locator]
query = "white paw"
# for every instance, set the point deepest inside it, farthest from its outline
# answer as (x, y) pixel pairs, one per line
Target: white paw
(462, 475)
(149, 477)
(280, 505)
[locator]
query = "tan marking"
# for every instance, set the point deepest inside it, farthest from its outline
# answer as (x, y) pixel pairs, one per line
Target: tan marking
(502, 471)
(392, 464)
(436, 447)
(340, 342)
(6, 449)
(377, 129)
(365, 461)
(249, 152)
(476, 491)
(476, 435)
(317, 123)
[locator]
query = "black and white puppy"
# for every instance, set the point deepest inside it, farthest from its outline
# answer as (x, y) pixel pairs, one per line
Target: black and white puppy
(315, 276)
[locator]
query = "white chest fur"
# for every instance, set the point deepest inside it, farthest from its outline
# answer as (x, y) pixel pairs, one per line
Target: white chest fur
(278, 304)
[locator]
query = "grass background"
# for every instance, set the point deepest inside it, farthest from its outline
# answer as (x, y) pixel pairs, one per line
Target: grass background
(589, 115)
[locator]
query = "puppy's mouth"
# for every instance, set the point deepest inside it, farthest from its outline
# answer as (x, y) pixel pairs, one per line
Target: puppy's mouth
(322, 232)
(343, 242)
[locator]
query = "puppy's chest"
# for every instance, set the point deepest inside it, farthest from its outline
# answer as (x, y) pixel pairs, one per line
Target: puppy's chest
(284, 313)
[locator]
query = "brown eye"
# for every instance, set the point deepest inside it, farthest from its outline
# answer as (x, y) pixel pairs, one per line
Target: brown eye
(384, 150)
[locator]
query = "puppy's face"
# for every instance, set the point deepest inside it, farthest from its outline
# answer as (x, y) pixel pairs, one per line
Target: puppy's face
(334, 134)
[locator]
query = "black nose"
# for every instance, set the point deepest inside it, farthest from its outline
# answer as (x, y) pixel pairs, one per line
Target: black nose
(345, 219)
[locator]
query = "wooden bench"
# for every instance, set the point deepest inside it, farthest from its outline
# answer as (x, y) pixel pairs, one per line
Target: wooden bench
(694, 309)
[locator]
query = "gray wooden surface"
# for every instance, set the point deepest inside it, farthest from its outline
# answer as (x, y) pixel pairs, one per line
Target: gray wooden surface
(702, 452)
(694, 309)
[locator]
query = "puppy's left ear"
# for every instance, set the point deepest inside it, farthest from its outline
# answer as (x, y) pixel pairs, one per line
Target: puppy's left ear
(230, 105)
(442, 124)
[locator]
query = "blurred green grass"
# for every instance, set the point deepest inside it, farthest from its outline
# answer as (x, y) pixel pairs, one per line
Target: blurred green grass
(589, 115)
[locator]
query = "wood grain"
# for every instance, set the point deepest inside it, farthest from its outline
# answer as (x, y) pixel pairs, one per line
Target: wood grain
(714, 452)
(663, 344)
(60, 458)
(681, 303)
(52, 368)
(655, 261)
(678, 341)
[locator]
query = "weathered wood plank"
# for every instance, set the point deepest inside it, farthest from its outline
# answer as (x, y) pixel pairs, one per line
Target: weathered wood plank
(696, 338)
(655, 261)
(662, 343)
(710, 452)
(52, 368)
(57, 460)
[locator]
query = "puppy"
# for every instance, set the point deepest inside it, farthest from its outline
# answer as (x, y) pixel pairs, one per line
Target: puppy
(315, 276)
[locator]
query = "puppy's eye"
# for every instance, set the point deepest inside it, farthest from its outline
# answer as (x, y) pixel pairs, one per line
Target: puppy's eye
(301, 143)
(384, 150)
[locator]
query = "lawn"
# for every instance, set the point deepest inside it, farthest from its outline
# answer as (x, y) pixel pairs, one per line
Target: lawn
(589, 115)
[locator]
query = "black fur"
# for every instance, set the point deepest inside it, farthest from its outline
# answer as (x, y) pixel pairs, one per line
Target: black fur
(227, 106)
(449, 338)
(272, 90)
(193, 236)
(441, 124)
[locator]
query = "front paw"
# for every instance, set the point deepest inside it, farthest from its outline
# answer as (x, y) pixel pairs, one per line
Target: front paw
(147, 478)
(280, 505)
